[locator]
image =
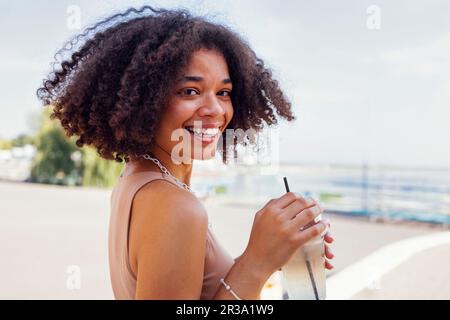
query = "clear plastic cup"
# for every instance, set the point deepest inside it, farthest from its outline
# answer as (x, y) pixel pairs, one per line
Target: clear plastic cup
(304, 274)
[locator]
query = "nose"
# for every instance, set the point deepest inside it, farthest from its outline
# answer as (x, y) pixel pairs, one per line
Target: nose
(211, 106)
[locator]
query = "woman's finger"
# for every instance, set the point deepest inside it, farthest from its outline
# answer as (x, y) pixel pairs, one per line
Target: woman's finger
(289, 197)
(297, 207)
(310, 233)
(328, 265)
(328, 238)
(305, 219)
(328, 253)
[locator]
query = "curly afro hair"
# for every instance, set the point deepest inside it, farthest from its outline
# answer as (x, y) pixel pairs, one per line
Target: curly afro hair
(111, 88)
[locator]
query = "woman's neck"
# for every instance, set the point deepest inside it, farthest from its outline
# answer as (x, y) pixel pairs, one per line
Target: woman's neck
(182, 171)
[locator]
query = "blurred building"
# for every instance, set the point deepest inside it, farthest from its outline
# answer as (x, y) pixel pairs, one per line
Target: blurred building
(16, 163)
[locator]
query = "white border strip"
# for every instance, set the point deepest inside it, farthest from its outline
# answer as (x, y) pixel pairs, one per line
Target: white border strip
(362, 274)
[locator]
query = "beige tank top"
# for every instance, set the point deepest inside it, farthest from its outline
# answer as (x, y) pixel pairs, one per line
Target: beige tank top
(217, 260)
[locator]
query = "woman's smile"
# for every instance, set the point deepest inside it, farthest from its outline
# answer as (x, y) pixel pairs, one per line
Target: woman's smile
(205, 133)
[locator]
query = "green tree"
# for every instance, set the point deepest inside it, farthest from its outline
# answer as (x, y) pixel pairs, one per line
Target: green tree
(59, 161)
(5, 144)
(98, 171)
(22, 140)
(53, 163)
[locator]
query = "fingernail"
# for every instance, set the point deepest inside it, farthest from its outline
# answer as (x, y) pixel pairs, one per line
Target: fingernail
(330, 252)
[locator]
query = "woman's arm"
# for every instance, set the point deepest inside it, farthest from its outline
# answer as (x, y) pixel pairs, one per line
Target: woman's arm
(245, 279)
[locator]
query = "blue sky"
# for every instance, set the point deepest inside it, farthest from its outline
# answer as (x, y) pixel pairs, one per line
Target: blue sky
(381, 95)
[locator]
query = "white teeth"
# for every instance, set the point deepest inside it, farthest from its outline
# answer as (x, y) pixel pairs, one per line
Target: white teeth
(211, 131)
(208, 132)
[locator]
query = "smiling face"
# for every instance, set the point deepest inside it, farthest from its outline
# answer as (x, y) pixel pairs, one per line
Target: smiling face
(199, 109)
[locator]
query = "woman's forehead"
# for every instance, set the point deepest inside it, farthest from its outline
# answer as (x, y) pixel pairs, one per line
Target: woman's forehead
(206, 60)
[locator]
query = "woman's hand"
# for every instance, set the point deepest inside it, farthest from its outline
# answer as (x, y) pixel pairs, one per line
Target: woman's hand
(328, 253)
(276, 233)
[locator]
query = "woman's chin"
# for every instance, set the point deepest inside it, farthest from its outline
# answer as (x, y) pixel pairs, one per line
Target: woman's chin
(205, 153)
(204, 156)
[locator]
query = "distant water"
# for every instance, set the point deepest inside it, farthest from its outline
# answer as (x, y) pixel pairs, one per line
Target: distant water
(404, 194)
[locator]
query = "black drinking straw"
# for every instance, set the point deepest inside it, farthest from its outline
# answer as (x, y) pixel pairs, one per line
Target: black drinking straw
(308, 264)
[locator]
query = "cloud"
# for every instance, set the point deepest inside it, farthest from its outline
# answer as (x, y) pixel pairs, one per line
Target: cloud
(326, 96)
(17, 65)
(425, 60)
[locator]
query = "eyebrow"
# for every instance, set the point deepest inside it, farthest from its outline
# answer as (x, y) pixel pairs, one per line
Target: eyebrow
(200, 79)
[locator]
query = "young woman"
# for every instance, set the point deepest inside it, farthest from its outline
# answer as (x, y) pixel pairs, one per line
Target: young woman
(142, 77)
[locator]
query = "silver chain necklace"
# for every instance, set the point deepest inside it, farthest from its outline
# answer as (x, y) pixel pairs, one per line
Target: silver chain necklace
(164, 170)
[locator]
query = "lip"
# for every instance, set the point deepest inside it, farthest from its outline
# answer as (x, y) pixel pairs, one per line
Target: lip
(207, 125)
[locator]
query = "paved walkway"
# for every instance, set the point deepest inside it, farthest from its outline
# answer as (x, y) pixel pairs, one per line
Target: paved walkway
(424, 276)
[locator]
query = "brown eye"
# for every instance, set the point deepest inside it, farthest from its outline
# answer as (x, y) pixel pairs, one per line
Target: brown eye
(228, 93)
(187, 90)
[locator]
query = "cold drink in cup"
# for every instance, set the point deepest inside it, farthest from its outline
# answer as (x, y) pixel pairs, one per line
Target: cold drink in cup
(304, 274)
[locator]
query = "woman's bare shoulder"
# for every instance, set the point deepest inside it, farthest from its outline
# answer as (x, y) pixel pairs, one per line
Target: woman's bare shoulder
(162, 194)
(161, 209)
